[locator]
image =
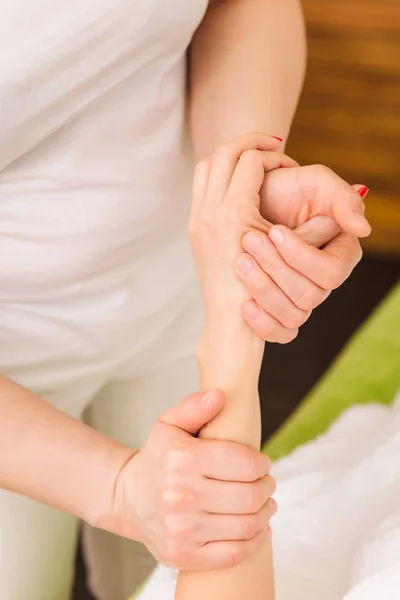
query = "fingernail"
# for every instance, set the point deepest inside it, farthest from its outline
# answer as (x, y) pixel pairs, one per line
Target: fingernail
(206, 398)
(277, 138)
(244, 264)
(253, 242)
(277, 235)
(363, 191)
(252, 310)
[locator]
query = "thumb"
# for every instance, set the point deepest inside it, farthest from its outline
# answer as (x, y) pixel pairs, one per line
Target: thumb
(195, 411)
(330, 195)
(348, 210)
(318, 231)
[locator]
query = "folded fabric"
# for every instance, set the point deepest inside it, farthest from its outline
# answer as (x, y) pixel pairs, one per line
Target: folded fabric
(337, 532)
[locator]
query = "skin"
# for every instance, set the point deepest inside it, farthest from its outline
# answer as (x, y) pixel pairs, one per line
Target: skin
(139, 495)
(229, 353)
(182, 512)
(238, 83)
(246, 69)
(226, 210)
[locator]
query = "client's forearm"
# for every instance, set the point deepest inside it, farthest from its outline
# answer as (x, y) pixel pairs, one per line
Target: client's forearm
(230, 359)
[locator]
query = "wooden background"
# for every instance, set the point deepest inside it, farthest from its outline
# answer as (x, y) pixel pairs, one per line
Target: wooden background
(349, 113)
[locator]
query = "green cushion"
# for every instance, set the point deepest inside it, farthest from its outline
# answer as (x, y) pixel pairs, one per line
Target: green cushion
(367, 370)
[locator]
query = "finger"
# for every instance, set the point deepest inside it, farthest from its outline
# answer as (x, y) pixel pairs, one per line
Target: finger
(248, 176)
(232, 498)
(331, 196)
(263, 289)
(195, 411)
(328, 268)
(222, 528)
(362, 191)
(318, 231)
(221, 555)
(200, 185)
(229, 461)
(265, 326)
(226, 158)
(303, 291)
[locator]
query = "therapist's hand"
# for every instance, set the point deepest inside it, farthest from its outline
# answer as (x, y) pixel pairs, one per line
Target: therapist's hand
(195, 504)
(286, 276)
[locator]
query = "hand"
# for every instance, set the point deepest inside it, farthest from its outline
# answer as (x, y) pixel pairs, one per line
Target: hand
(285, 275)
(225, 205)
(195, 504)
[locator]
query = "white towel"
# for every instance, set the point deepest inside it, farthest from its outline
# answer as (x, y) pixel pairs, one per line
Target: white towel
(337, 531)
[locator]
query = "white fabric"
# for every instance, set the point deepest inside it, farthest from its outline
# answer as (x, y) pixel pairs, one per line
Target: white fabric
(337, 531)
(98, 301)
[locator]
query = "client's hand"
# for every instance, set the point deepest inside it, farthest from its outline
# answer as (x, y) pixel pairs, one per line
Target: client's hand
(226, 205)
(195, 504)
(285, 275)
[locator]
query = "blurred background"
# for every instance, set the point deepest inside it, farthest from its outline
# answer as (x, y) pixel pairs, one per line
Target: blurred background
(348, 119)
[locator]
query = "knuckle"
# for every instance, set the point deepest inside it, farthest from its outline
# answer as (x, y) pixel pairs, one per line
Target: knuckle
(176, 498)
(235, 554)
(267, 465)
(262, 285)
(292, 335)
(308, 299)
(170, 556)
(206, 224)
(255, 500)
(272, 484)
(177, 460)
(248, 527)
(272, 331)
(285, 336)
(322, 170)
(271, 261)
(294, 319)
(252, 156)
(358, 253)
(272, 506)
(334, 276)
(251, 467)
(178, 529)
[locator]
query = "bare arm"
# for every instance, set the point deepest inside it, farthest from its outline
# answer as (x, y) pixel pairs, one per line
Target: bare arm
(232, 363)
(247, 64)
(48, 456)
(229, 352)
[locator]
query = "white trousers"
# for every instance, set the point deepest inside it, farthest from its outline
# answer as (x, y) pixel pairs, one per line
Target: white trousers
(119, 386)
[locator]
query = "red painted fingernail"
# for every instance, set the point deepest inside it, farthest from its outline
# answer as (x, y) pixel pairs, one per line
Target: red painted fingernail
(363, 191)
(277, 138)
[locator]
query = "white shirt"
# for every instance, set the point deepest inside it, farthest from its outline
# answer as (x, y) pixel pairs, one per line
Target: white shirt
(94, 183)
(93, 174)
